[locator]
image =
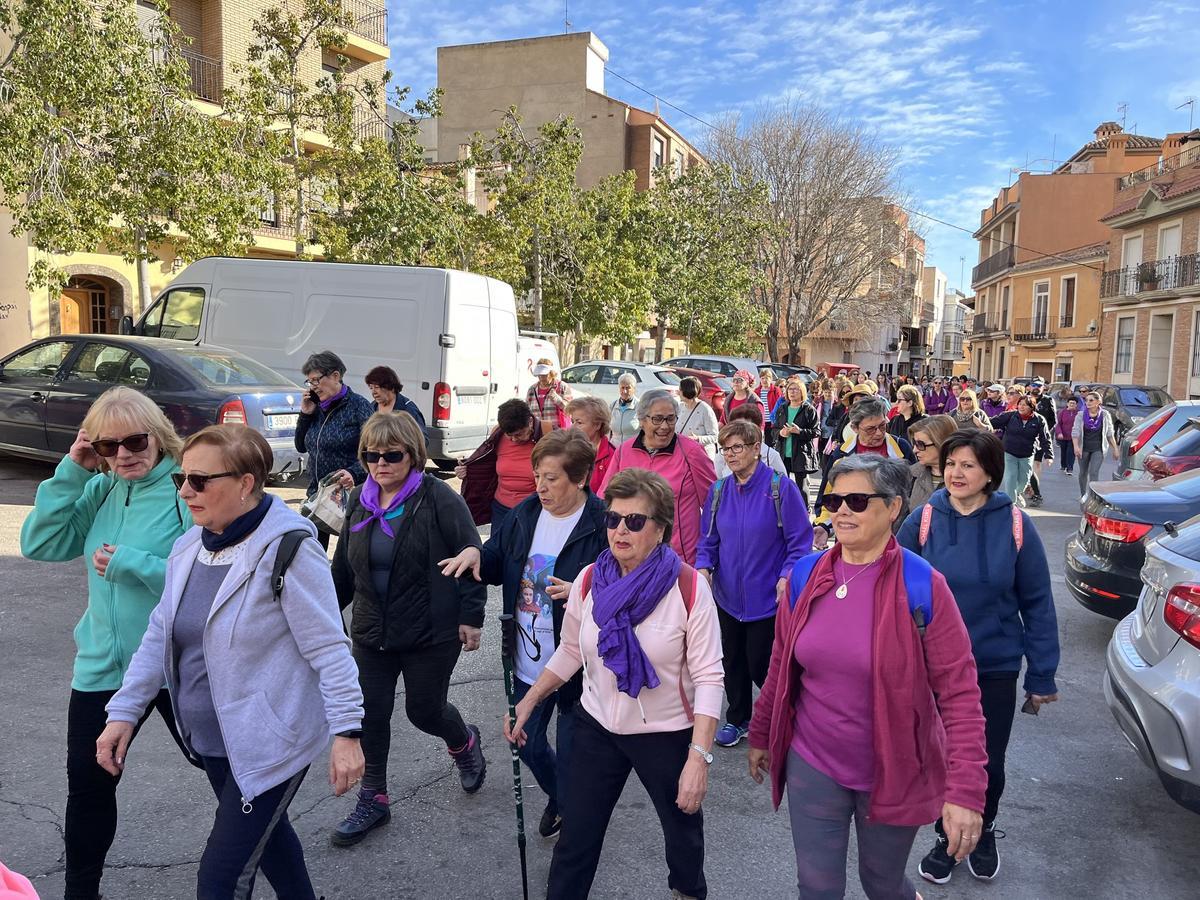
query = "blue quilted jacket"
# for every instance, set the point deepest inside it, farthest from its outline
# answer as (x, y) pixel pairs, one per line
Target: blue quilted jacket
(331, 438)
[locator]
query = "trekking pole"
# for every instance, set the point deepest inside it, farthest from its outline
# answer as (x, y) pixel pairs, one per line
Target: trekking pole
(507, 643)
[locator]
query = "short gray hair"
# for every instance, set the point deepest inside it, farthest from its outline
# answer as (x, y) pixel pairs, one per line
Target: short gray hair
(889, 477)
(868, 408)
(627, 378)
(325, 362)
(654, 396)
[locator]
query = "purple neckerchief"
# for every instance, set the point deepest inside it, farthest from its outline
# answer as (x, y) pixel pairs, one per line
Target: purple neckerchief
(369, 499)
(325, 404)
(620, 602)
(1089, 423)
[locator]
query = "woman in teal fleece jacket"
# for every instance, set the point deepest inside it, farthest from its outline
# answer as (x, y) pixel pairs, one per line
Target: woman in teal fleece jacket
(995, 564)
(110, 501)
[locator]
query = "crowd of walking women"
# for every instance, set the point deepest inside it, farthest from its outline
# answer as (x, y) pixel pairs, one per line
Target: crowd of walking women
(656, 564)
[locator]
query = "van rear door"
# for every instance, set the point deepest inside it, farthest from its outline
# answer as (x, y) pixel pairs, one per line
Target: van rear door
(466, 365)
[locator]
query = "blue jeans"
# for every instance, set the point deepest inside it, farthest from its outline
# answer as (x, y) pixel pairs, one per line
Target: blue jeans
(549, 766)
(1016, 478)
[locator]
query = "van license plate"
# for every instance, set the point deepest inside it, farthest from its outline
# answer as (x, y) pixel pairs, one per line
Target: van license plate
(279, 423)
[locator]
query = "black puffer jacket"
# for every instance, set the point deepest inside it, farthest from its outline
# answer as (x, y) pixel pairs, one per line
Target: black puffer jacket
(804, 455)
(423, 607)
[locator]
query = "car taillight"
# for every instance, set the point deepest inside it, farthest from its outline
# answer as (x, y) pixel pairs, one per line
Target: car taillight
(1165, 466)
(232, 412)
(1117, 529)
(441, 402)
(1181, 612)
(1144, 438)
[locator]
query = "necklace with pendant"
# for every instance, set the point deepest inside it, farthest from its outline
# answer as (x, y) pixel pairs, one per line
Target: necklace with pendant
(843, 589)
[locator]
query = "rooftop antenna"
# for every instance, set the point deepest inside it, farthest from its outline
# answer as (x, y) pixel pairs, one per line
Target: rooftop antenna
(1190, 103)
(1122, 110)
(566, 20)
(962, 264)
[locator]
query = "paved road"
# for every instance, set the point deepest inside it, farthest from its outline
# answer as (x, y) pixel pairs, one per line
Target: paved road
(1083, 818)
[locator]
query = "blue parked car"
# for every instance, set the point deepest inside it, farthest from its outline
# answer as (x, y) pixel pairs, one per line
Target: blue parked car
(47, 386)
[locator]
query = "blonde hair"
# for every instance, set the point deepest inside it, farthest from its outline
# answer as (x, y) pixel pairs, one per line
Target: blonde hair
(546, 361)
(393, 429)
(123, 406)
(911, 392)
(970, 395)
(244, 451)
(798, 382)
(594, 407)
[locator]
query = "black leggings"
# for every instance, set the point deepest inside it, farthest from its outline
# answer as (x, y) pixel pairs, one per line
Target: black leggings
(91, 820)
(426, 672)
(998, 697)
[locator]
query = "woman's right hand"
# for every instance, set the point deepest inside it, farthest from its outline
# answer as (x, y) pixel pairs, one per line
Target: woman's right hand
(514, 732)
(308, 406)
(760, 764)
(460, 471)
(82, 454)
(112, 745)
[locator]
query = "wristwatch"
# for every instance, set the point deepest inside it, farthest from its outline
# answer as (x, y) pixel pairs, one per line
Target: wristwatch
(704, 754)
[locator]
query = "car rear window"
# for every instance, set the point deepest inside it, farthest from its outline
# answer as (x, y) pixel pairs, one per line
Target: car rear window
(227, 368)
(1187, 543)
(668, 378)
(1144, 397)
(724, 384)
(1185, 443)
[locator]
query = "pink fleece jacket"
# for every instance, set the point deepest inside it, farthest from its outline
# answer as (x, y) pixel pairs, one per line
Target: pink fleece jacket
(688, 471)
(929, 745)
(685, 650)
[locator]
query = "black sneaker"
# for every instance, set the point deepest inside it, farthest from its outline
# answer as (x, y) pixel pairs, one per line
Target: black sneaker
(984, 860)
(551, 823)
(938, 865)
(472, 767)
(1036, 500)
(371, 811)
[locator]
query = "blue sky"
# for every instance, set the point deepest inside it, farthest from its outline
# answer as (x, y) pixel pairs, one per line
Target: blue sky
(966, 91)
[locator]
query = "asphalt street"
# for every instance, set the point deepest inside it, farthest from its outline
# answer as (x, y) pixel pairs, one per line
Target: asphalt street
(1083, 818)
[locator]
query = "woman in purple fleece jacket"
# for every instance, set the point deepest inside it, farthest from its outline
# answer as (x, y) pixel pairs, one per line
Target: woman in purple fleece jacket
(748, 545)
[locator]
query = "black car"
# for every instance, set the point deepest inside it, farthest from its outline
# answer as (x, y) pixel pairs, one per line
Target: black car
(1105, 556)
(1128, 403)
(47, 387)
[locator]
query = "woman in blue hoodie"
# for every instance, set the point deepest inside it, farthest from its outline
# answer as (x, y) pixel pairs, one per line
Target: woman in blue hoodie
(754, 527)
(994, 562)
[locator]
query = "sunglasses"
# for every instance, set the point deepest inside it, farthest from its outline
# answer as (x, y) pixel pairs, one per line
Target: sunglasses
(855, 502)
(922, 446)
(135, 443)
(391, 456)
(198, 482)
(635, 522)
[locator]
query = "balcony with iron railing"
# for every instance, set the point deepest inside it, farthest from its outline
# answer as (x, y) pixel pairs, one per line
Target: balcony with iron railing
(368, 19)
(1175, 273)
(1162, 167)
(987, 323)
(928, 313)
(994, 265)
(1035, 330)
(205, 74)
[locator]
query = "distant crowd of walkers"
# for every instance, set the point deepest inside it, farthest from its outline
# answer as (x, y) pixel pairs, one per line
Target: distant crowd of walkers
(657, 561)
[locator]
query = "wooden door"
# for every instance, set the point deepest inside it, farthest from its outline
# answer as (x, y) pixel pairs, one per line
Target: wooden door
(74, 312)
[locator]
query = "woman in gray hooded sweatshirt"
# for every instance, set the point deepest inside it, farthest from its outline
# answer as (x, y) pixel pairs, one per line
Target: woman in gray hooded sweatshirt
(260, 677)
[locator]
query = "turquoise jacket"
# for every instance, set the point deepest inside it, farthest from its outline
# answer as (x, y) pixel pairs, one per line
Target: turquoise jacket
(76, 511)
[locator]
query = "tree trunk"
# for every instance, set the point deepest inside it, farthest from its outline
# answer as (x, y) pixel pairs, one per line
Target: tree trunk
(659, 340)
(537, 278)
(579, 340)
(143, 272)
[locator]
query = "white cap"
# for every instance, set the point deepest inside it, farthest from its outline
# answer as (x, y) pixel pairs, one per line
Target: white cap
(542, 369)
(997, 387)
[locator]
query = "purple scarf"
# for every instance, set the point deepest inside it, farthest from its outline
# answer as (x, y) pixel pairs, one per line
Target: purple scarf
(1089, 423)
(621, 602)
(369, 499)
(325, 404)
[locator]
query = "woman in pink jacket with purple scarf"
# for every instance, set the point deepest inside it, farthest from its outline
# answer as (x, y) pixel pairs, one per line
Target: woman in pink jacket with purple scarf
(871, 707)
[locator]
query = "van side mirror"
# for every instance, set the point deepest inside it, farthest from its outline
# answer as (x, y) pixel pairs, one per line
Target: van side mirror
(126, 326)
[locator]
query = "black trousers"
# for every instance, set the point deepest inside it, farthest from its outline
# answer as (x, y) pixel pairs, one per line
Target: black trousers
(747, 650)
(91, 819)
(244, 840)
(600, 765)
(426, 672)
(998, 697)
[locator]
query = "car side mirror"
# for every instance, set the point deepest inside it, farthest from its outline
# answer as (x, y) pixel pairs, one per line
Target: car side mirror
(126, 326)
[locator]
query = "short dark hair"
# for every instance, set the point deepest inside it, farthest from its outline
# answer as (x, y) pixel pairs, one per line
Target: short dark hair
(750, 412)
(384, 377)
(630, 483)
(573, 449)
(324, 361)
(242, 448)
(690, 387)
(513, 415)
(987, 449)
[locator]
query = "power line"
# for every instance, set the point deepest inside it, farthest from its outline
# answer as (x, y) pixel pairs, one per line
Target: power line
(912, 212)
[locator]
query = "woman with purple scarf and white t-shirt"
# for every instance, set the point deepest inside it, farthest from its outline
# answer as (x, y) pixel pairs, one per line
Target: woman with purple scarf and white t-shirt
(413, 614)
(643, 627)
(1091, 432)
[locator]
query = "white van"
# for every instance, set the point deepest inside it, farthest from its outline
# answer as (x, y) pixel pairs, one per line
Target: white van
(532, 346)
(451, 336)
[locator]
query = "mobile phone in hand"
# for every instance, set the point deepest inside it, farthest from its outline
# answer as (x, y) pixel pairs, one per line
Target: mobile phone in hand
(1029, 707)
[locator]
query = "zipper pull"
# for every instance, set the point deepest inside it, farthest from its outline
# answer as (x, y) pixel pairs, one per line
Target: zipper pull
(247, 807)
(128, 494)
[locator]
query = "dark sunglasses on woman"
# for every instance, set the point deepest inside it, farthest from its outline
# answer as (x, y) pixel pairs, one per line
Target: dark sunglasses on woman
(922, 446)
(856, 502)
(198, 482)
(134, 443)
(635, 522)
(391, 456)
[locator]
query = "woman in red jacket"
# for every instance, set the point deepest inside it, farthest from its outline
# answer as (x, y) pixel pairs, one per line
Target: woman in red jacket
(871, 707)
(591, 416)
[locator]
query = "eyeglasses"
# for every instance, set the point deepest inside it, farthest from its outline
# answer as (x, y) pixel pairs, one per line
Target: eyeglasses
(198, 482)
(313, 382)
(656, 421)
(922, 446)
(134, 443)
(391, 456)
(872, 429)
(734, 449)
(635, 522)
(856, 502)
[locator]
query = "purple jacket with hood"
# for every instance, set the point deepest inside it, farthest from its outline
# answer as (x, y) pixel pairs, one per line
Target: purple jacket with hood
(745, 548)
(937, 401)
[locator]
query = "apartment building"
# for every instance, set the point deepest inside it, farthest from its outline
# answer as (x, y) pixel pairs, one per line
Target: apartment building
(102, 285)
(1041, 254)
(949, 319)
(960, 309)
(1150, 289)
(549, 77)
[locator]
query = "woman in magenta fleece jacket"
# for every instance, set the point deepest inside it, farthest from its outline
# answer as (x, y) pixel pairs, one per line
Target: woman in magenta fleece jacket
(861, 716)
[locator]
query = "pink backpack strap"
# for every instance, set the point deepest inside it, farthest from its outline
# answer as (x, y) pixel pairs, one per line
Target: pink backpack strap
(926, 522)
(1018, 525)
(586, 575)
(687, 586)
